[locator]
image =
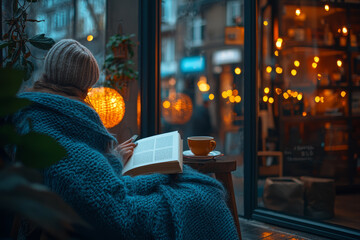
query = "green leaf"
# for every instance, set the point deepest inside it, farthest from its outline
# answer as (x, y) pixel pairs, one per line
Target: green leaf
(42, 42)
(39, 150)
(34, 20)
(10, 105)
(10, 82)
(4, 44)
(38, 204)
(8, 135)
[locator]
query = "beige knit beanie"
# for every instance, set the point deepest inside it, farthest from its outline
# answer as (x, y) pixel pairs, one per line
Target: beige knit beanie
(70, 64)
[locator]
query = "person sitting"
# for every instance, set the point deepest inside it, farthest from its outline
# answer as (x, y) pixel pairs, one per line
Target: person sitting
(190, 205)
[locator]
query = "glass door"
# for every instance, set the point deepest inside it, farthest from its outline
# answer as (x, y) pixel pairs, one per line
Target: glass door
(308, 111)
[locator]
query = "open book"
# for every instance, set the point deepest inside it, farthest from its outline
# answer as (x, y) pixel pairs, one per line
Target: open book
(156, 154)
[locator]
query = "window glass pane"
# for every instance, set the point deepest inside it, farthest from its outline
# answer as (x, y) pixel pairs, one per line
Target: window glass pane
(202, 82)
(308, 118)
(83, 20)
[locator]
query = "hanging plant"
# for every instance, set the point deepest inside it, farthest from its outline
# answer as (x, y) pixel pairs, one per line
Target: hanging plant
(15, 40)
(118, 66)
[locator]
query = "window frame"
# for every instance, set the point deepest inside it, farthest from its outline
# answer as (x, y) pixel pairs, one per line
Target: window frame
(149, 56)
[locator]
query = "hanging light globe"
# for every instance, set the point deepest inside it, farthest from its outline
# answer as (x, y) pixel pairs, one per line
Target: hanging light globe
(177, 108)
(108, 103)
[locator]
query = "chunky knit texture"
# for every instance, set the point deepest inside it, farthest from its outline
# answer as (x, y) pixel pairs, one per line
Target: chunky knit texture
(183, 206)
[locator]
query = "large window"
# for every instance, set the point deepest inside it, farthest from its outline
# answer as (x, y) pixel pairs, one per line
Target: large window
(83, 20)
(308, 118)
(202, 83)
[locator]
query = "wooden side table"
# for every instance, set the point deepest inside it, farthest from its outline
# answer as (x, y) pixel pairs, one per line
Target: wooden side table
(222, 168)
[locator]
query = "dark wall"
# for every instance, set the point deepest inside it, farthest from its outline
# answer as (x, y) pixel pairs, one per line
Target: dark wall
(124, 13)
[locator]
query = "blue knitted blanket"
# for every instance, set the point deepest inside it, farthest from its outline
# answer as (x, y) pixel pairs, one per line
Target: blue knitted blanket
(183, 206)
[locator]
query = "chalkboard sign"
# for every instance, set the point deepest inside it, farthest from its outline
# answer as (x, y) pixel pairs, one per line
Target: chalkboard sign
(300, 160)
(299, 153)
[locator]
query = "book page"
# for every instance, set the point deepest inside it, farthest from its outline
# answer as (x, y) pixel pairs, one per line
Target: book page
(159, 148)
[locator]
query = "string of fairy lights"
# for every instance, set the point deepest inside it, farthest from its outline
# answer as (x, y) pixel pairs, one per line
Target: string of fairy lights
(293, 71)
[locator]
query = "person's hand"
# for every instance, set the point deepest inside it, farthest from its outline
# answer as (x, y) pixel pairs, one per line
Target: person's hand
(126, 150)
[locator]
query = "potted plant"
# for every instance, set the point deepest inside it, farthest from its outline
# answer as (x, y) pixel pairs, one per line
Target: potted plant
(118, 65)
(15, 40)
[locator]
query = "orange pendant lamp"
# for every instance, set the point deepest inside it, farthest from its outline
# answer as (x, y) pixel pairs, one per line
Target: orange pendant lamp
(108, 103)
(177, 108)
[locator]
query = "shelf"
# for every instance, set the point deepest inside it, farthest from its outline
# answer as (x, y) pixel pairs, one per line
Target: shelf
(336, 87)
(336, 148)
(307, 88)
(313, 118)
(332, 50)
(319, 4)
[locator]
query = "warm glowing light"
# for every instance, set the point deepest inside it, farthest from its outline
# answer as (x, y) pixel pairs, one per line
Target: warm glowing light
(265, 98)
(299, 96)
(344, 30)
(138, 110)
(317, 99)
(322, 99)
(293, 72)
(237, 99)
(297, 12)
(327, 7)
(265, 23)
(211, 96)
(279, 70)
(172, 82)
(166, 104)
(180, 109)
(285, 95)
(204, 87)
(224, 94)
(339, 30)
(294, 94)
(108, 103)
(343, 93)
(266, 234)
(229, 92)
(278, 91)
(289, 91)
(304, 114)
(279, 42)
(276, 53)
(316, 59)
(235, 92)
(90, 38)
(296, 63)
(232, 99)
(237, 71)
(268, 69)
(319, 76)
(271, 100)
(314, 65)
(202, 80)
(339, 63)
(266, 90)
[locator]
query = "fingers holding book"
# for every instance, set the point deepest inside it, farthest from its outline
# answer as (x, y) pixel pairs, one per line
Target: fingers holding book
(126, 149)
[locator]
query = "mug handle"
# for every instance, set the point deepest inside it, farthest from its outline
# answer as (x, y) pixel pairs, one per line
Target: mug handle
(212, 144)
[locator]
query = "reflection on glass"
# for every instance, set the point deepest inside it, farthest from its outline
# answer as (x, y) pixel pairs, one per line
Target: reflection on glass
(202, 75)
(83, 20)
(309, 131)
